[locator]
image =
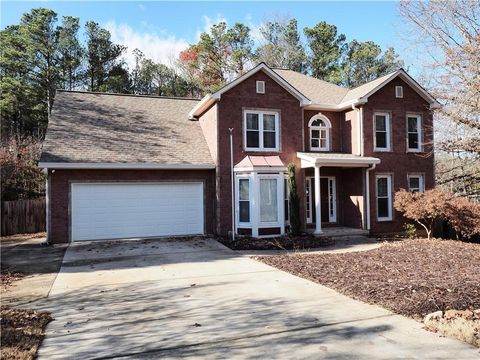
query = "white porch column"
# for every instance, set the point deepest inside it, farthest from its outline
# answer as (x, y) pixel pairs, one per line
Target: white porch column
(318, 208)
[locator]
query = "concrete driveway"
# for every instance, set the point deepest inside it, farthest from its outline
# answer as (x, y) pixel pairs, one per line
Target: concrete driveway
(196, 299)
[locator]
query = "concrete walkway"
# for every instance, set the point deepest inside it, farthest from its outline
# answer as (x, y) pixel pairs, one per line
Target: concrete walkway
(196, 299)
(342, 245)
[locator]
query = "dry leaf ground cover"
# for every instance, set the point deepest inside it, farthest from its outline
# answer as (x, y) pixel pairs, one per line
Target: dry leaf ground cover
(22, 332)
(411, 277)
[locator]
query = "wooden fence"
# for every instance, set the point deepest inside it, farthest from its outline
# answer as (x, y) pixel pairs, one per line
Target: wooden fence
(23, 216)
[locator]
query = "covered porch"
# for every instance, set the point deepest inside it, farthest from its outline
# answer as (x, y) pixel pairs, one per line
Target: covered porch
(336, 197)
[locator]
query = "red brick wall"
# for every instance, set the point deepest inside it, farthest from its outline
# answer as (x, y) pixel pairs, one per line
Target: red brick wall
(336, 119)
(397, 162)
(230, 115)
(60, 192)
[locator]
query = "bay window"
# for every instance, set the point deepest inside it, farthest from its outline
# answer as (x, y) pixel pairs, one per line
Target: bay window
(244, 200)
(268, 200)
(261, 131)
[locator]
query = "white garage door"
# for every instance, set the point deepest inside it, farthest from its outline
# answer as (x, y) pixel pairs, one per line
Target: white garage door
(110, 211)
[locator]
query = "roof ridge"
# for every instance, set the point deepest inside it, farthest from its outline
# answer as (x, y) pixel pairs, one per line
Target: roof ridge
(313, 78)
(378, 78)
(128, 95)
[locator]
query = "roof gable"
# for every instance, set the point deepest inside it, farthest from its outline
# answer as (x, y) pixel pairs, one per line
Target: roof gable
(209, 99)
(363, 92)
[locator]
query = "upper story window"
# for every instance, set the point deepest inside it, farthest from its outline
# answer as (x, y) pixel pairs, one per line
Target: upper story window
(261, 131)
(319, 127)
(382, 132)
(399, 92)
(260, 87)
(414, 133)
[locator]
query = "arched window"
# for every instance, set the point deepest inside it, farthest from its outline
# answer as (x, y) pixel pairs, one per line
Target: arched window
(319, 133)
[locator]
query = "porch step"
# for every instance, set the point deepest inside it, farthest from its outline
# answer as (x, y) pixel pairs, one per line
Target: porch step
(344, 233)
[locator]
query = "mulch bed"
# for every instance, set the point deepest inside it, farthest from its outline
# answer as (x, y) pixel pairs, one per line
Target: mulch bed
(302, 242)
(412, 277)
(22, 332)
(7, 278)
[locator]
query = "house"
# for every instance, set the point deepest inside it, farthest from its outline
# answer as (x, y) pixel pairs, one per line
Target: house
(126, 166)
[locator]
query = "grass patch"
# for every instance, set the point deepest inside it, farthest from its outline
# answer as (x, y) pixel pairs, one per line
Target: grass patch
(22, 332)
(411, 277)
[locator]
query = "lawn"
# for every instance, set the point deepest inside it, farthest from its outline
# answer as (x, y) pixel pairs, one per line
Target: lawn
(410, 277)
(22, 332)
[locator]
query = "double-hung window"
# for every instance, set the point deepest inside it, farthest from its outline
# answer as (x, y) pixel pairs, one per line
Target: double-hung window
(261, 131)
(382, 132)
(384, 197)
(415, 183)
(414, 133)
(243, 200)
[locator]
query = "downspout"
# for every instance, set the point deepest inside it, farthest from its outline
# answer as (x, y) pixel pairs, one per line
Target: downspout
(47, 206)
(233, 183)
(367, 195)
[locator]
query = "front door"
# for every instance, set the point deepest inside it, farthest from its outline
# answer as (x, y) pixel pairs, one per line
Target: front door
(327, 199)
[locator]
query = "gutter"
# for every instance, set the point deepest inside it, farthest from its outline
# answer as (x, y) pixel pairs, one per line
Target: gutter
(124, 166)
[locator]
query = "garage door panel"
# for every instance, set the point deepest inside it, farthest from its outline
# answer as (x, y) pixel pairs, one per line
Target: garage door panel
(106, 211)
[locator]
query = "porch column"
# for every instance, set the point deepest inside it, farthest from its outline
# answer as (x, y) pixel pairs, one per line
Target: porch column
(318, 208)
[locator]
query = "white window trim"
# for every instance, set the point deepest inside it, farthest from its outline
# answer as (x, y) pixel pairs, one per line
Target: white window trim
(260, 131)
(254, 197)
(421, 182)
(419, 132)
(260, 87)
(331, 197)
(286, 192)
(328, 129)
(237, 199)
(399, 94)
(389, 193)
(388, 131)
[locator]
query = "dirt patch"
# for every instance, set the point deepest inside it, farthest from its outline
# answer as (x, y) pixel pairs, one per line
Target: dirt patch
(22, 332)
(412, 277)
(303, 242)
(462, 325)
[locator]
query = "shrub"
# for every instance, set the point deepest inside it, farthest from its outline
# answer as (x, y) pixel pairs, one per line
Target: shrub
(425, 207)
(410, 230)
(422, 207)
(293, 201)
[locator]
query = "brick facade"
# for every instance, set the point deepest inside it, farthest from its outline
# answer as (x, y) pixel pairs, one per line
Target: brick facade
(59, 192)
(230, 115)
(294, 136)
(397, 162)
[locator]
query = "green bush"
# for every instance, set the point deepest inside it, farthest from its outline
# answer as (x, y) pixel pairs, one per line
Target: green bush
(410, 230)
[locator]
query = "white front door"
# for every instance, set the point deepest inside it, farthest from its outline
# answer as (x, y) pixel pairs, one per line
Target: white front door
(130, 210)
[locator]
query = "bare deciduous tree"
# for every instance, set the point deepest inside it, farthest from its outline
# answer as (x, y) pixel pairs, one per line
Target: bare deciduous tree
(448, 33)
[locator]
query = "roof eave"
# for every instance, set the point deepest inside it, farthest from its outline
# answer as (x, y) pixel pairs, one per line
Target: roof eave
(208, 100)
(123, 166)
(336, 107)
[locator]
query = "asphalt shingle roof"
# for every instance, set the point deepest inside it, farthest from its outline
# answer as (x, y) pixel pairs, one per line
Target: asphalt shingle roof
(106, 128)
(323, 92)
